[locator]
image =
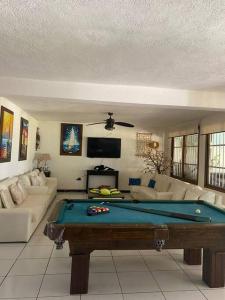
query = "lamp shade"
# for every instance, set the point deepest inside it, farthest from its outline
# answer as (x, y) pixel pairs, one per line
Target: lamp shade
(46, 156)
(42, 156)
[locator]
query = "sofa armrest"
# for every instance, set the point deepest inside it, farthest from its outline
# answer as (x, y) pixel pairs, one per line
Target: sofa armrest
(15, 224)
(37, 190)
(164, 195)
(51, 179)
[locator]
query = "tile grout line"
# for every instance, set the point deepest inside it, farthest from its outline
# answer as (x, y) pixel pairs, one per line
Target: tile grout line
(117, 274)
(44, 273)
(189, 277)
(6, 276)
(142, 256)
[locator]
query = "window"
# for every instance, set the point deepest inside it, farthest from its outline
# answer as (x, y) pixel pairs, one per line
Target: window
(185, 157)
(215, 163)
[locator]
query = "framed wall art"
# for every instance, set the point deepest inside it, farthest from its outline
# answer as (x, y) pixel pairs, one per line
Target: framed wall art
(23, 139)
(6, 134)
(71, 139)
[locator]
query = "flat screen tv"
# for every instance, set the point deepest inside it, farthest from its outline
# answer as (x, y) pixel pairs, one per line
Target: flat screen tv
(103, 147)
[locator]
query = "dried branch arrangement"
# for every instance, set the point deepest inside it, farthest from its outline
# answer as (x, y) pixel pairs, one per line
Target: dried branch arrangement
(156, 162)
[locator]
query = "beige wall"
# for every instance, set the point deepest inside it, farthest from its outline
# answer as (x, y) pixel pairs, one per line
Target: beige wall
(14, 167)
(68, 168)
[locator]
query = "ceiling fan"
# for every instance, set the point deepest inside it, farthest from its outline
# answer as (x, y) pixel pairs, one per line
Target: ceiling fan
(110, 122)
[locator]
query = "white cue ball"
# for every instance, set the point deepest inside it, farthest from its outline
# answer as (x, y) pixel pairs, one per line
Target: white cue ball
(198, 211)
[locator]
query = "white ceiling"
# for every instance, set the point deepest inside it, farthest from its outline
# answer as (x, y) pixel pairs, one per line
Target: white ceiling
(143, 116)
(165, 43)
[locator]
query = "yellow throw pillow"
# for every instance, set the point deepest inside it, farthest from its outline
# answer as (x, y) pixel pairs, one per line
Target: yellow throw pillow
(105, 192)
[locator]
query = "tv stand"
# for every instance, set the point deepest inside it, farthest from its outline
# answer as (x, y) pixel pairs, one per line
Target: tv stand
(113, 173)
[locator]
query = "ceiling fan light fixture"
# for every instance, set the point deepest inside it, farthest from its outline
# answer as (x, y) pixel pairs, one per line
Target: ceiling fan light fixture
(109, 127)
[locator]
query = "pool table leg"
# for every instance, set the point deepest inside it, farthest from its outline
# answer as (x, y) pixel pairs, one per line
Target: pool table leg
(213, 267)
(193, 256)
(79, 273)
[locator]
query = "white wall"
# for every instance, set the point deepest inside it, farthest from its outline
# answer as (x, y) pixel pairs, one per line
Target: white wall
(68, 168)
(14, 167)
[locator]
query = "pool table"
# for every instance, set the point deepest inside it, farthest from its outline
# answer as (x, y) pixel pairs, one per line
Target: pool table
(124, 228)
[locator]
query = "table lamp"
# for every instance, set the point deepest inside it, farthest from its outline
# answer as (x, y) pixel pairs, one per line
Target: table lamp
(42, 159)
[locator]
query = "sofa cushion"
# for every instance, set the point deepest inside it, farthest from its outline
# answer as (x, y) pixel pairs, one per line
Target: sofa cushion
(6, 199)
(41, 180)
(148, 193)
(178, 191)
(145, 178)
(208, 196)
(162, 183)
(23, 190)
(26, 180)
(192, 194)
(36, 209)
(16, 193)
(34, 180)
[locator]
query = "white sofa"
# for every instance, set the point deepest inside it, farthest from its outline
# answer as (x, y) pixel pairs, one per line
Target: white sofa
(169, 188)
(19, 222)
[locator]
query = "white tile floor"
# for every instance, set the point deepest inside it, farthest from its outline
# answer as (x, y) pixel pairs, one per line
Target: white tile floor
(37, 270)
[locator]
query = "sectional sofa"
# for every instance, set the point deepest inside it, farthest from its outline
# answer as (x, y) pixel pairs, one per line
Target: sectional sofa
(167, 187)
(18, 221)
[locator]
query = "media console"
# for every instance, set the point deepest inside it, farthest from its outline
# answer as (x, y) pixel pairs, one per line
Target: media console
(102, 173)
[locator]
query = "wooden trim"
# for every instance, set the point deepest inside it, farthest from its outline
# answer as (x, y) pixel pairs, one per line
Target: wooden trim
(216, 188)
(72, 190)
(207, 185)
(172, 152)
(83, 190)
(183, 178)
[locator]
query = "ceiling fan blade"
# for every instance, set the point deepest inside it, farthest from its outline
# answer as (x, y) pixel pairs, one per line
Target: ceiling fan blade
(124, 124)
(95, 123)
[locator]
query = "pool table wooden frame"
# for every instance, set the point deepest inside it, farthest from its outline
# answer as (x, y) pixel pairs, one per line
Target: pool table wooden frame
(192, 237)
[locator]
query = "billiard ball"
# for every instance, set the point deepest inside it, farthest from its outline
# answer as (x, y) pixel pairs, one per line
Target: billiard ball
(198, 211)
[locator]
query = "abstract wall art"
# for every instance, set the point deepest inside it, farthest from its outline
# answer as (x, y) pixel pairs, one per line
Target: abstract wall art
(24, 124)
(6, 134)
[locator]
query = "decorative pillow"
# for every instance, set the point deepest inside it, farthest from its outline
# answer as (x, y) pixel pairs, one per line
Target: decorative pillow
(34, 180)
(36, 171)
(42, 175)
(209, 197)
(23, 190)
(41, 180)
(151, 183)
(134, 181)
(7, 199)
(16, 193)
(192, 195)
(26, 180)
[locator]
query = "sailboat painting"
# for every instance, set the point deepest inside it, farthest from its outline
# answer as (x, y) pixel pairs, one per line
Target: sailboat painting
(6, 134)
(71, 139)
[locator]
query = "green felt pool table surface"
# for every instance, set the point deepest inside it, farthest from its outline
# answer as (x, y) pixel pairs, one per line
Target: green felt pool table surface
(77, 214)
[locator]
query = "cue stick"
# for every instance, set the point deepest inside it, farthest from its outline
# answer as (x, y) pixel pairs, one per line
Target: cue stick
(163, 213)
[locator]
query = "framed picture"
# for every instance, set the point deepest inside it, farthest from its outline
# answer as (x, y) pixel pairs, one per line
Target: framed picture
(6, 134)
(23, 139)
(71, 139)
